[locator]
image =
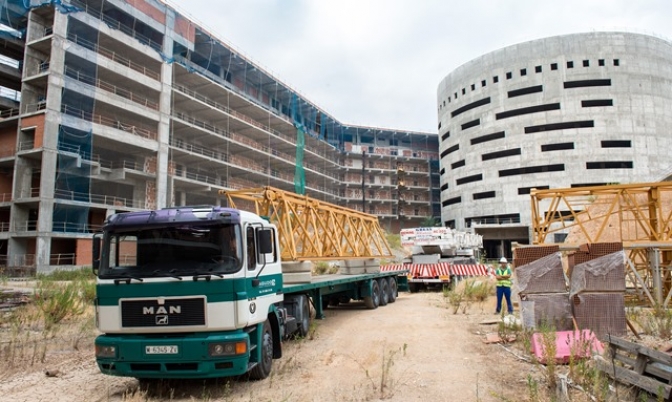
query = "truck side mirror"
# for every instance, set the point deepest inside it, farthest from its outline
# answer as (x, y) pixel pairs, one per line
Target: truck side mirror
(96, 253)
(265, 241)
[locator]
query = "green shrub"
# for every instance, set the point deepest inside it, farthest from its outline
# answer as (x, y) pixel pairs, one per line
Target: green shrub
(68, 275)
(57, 302)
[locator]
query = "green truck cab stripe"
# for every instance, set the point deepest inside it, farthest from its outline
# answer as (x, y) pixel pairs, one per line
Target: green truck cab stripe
(216, 289)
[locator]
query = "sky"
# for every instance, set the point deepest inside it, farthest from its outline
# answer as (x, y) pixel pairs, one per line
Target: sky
(379, 63)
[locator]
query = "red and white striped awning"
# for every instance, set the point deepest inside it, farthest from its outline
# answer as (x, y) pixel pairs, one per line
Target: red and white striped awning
(469, 270)
(438, 269)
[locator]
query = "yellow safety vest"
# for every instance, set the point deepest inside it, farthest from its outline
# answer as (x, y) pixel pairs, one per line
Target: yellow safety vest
(504, 282)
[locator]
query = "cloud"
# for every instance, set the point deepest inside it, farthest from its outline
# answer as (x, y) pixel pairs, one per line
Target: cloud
(379, 62)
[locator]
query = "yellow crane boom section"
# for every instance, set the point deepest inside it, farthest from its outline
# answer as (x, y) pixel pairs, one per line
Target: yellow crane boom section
(310, 229)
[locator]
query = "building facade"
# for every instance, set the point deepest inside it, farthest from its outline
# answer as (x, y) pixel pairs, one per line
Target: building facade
(109, 106)
(566, 111)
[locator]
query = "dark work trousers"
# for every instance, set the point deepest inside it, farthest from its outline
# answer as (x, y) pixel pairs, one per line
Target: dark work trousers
(506, 292)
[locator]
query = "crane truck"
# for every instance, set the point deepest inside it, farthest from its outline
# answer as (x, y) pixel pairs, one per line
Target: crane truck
(439, 254)
(199, 292)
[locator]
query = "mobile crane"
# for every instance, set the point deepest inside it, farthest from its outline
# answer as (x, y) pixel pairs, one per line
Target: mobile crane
(198, 292)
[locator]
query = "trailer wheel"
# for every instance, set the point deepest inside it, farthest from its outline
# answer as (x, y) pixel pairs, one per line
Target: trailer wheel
(372, 302)
(304, 326)
(263, 367)
(394, 292)
(384, 291)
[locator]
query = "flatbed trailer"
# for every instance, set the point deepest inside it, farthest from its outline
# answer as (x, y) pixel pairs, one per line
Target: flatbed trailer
(326, 290)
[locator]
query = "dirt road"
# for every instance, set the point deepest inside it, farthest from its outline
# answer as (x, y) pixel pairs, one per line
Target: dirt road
(412, 350)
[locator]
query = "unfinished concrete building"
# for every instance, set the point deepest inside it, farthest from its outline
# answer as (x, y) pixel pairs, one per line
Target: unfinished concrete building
(113, 106)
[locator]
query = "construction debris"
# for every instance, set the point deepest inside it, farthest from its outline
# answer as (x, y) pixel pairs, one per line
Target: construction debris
(634, 364)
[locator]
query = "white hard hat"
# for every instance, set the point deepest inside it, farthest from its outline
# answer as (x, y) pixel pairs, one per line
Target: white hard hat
(503, 259)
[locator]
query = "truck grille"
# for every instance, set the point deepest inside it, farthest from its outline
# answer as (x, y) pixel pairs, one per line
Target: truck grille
(172, 313)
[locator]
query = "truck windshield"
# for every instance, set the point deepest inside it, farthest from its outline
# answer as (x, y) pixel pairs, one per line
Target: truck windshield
(172, 251)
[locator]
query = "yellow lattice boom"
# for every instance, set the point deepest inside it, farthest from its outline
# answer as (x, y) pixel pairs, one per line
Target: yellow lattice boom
(638, 215)
(625, 213)
(310, 229)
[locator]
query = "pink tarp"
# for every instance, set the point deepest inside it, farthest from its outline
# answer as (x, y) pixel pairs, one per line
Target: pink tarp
(581, 344)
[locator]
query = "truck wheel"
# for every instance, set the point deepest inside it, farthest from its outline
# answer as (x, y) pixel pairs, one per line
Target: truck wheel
(304, 325)
(263, 367)
(394, 292)
(384, 291)
(372, 302)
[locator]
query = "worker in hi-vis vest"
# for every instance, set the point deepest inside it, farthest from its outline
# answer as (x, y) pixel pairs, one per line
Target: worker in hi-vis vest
(503, 276)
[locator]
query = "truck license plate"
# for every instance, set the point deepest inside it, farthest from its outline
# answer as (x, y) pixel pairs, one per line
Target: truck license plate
(161, 350)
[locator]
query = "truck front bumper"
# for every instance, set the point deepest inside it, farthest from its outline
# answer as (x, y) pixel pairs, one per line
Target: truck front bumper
(152, 356)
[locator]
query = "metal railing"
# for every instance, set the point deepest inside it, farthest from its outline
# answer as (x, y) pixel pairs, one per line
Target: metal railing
(97, 198)
(62, 259)
(491, 221)
(116, 57)
(106, 86)
(197, 96)
(72, 227)
(5, 197)
(239, 139)
(34, 107)
(4, 226)
(25, 226)
(5, 114)
(116, 24)
(108, 122)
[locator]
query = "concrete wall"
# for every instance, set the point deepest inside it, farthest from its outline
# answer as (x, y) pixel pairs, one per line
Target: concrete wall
(616, 83)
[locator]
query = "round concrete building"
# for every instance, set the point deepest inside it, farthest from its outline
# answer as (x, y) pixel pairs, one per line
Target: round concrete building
(567, 111)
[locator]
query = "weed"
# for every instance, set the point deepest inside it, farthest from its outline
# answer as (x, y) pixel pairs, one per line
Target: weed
(394, 240)
(385, 386)
(57, 302)
(656, 322)
(68, 275)
(532, 388)
(466, 292)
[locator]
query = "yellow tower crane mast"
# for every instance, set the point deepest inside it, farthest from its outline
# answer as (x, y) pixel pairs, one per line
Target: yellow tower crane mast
(310, 229)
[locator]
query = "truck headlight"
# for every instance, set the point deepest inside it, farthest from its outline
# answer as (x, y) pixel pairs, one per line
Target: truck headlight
(227, 349)
(106, 351)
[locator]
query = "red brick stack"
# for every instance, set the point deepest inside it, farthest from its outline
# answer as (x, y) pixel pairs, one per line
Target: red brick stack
(597, 289)
(540, 282)
(525, 255)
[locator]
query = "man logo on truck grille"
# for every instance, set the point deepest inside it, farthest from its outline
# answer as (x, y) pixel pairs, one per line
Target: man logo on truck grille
(162, 310)
(161, 320)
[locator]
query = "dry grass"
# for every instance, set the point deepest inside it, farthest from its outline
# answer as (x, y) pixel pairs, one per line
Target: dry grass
(59, 319)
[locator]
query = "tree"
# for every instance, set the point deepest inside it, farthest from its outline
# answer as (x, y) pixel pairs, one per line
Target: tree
(429, 221)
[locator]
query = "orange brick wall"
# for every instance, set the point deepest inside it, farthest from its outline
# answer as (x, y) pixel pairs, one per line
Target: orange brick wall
(185, 28)
(7, 141)
(83, 252)
(148, 9)
(38, 123)
(5, 185)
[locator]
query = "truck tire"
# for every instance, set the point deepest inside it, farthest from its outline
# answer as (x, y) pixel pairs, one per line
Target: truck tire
(372, 302)
(263, 367)
(394, 291)
(384, 291)
(304, 325)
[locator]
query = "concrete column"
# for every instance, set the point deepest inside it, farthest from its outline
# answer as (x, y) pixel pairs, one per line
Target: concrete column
(163, 198)
(52, 122)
